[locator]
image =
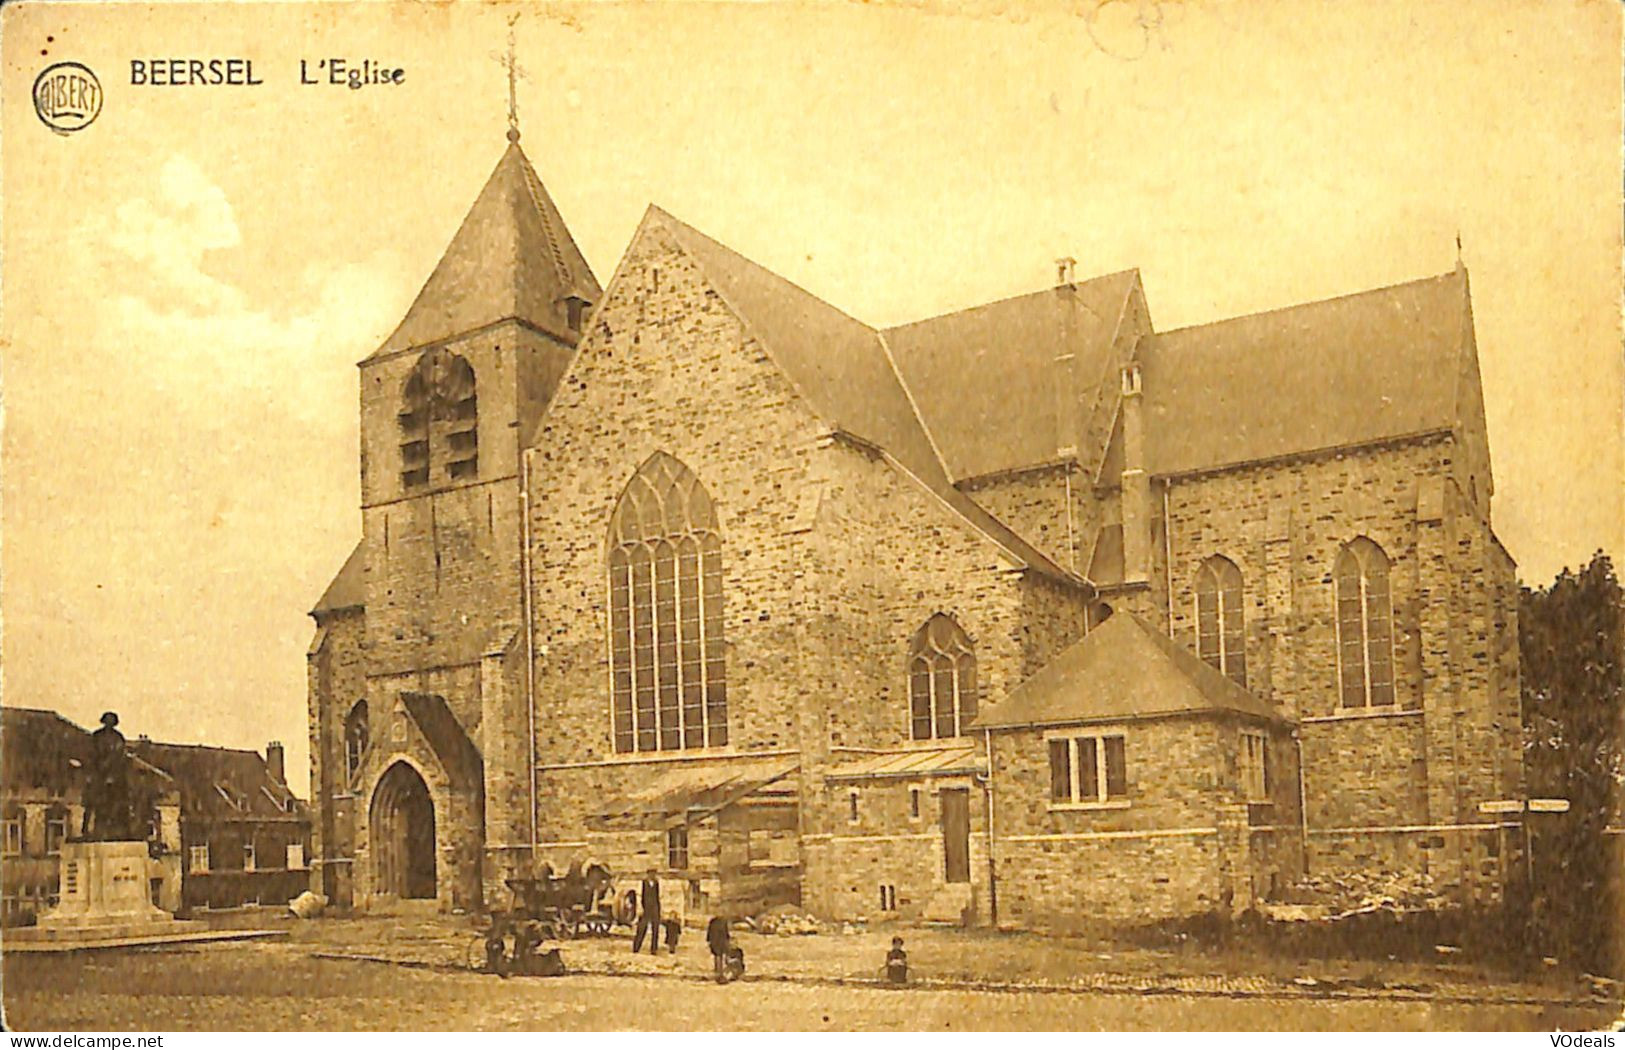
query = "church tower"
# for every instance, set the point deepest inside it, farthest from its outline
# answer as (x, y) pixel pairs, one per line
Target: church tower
(447, 403)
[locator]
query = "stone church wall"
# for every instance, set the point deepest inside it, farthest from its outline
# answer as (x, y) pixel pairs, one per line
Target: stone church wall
(666, 367)
(884, 557)
(1419, 770)
(336, 676)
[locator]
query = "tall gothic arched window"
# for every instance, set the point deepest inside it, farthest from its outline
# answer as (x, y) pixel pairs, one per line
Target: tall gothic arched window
(1365, 633)
(668, 680)
(355, 737)
(439, 420)
(941, 680)
(1221, 618)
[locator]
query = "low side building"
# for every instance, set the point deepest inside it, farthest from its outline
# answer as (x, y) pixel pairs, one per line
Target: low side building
(1132, 781)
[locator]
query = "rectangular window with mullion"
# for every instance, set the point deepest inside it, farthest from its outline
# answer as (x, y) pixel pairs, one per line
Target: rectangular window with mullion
(677, 847)
(1088, 769)
(1254, 766)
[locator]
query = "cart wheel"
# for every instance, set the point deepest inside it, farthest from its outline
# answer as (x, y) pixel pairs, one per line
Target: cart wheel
(626, 907)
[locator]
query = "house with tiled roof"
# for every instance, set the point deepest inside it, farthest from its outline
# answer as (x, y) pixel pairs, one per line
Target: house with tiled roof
(244, 835)
(1028, 613)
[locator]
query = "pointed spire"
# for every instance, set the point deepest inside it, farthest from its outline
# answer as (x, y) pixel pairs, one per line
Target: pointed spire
(512, 257)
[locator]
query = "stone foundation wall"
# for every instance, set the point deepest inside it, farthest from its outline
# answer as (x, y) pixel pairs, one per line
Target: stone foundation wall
(1127, 880)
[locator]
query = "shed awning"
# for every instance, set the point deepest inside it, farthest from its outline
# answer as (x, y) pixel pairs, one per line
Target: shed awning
(916, 762)
(694, 792)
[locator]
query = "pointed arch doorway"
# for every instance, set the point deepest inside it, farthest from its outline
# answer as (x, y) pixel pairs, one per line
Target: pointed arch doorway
(403, 834)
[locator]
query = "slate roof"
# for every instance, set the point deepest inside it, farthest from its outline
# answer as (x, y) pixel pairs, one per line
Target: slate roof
(222, 782)
(1346, 371)
(41, 750)
(348, 590)
(1124, 669)
(987, 380)
(512, 256)
(457, 754)
(844, 370)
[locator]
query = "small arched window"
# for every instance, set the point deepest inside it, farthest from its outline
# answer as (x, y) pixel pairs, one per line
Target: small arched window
(669, 687)
(941, 680)
(1365, 633)
(355, 737)
(1221, 618)
(439, 420)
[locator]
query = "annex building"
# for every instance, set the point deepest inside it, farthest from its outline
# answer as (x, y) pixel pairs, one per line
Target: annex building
(1029, 611)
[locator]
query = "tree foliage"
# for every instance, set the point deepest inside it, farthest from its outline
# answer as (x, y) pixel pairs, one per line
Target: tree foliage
(1571, 640)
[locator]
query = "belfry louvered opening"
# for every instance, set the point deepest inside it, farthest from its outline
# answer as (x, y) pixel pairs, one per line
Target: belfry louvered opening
(439, 420)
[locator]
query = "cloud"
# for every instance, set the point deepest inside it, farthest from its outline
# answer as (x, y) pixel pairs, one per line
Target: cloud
(181, 459)
(167, 236)
(205, 339)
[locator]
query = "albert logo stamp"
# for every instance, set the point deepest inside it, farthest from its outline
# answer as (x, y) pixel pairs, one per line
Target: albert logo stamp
(67, 97)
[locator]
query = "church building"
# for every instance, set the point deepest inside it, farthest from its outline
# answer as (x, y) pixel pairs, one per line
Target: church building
(1028, 614)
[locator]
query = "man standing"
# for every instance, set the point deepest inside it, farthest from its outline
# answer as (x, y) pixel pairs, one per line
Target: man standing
(719, 939)
(648, 915)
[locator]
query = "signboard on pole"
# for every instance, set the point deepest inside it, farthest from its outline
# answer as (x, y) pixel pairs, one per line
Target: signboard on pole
(1502, 805)
(1548, 805)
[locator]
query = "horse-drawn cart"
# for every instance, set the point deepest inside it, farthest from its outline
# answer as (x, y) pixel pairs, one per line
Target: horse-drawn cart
(549, 908)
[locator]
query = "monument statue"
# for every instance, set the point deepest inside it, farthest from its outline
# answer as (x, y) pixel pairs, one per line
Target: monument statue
(107, 875)
(110, 794)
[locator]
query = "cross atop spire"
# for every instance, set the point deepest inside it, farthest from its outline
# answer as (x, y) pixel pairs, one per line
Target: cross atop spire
(510, 62)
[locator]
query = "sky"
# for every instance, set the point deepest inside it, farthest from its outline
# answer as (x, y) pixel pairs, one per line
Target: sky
(188, 282)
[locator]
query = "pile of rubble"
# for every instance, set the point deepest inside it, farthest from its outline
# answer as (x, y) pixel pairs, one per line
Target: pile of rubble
(785, 921)
(1338, 896)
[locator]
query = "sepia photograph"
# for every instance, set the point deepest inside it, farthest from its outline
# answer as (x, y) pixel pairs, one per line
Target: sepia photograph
(936, 516)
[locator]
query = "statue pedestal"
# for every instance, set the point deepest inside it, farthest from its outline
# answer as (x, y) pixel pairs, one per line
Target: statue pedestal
(103, 894)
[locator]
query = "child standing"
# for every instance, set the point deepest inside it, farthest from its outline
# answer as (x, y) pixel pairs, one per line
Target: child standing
(897, 962)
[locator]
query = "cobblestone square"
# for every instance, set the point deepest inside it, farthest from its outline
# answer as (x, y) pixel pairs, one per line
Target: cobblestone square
(381, 974)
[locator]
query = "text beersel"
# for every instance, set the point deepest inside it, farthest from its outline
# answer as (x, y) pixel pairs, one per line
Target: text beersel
(348, 74)
(187, 72)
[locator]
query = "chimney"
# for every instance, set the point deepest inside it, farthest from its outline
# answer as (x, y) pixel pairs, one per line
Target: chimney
(1136, 491)
(1066, 269)
(273, 761)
